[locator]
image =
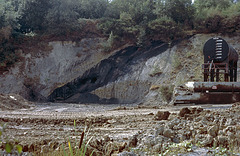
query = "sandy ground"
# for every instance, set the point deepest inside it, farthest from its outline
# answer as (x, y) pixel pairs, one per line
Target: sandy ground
(52, 124)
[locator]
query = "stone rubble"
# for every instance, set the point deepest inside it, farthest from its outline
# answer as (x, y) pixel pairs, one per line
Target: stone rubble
(204, 127)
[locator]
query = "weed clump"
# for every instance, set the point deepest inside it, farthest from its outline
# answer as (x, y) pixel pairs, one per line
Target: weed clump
(80, 149)
(167, 92)
(9, 147)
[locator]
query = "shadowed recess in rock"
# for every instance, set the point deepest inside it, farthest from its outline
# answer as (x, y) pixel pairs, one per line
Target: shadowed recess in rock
(107, 71)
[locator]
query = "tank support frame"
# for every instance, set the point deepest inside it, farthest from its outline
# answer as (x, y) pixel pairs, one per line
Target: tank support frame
(212, 71)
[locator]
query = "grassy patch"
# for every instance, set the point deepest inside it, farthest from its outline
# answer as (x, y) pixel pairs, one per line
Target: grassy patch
(108, 45)
(154, 87)
(155, 72)
(76, 147)
(176, 62)
(167, 92)
(9, 146)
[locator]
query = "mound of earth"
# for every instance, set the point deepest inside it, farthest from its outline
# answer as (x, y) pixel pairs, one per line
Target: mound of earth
(13, 102)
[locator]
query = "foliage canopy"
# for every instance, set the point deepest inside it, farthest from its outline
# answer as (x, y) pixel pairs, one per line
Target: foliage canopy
(42, 16)
(138, 21)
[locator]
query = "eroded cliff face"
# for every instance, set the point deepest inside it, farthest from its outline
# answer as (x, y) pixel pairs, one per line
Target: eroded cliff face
(135, 85)
(119, 79)
(135, 75)
(81, 72)
(40, 72)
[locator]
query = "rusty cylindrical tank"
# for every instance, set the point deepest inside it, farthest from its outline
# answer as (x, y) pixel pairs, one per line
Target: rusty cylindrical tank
(219, 55)
(219, 51)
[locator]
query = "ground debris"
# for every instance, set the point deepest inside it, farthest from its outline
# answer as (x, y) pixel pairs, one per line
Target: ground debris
(130, 131)
(162, 115)
(14, 102)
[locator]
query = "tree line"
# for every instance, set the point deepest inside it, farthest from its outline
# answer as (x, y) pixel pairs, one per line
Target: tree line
(42, 15)
(137, 20)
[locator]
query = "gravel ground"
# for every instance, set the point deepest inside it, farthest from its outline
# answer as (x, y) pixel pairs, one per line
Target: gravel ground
(44, 127)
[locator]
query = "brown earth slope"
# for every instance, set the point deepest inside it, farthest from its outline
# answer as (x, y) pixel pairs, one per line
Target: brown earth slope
(13, 102)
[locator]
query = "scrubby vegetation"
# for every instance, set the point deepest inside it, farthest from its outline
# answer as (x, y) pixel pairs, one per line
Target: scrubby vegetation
(167, 92)
(8, 145)
(74, 147)
(134, 21)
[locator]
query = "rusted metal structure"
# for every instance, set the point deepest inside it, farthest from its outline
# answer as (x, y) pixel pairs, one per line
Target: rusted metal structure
(220, 64)
(208, 93)
(219, 59)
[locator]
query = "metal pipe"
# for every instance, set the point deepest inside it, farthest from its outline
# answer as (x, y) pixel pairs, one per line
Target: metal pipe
(214, 86)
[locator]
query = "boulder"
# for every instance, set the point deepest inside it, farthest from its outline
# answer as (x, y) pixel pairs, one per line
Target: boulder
(45, 149)
(133, 141)
(158, 148)
(230, 129)
(204, 121)
(196, 110)
(162, 115)
(168, 133)
(127, 154)
(202, 130)
(231, 136)
(222, 140)
(197, 119)
(149, 141)
(159, 131)
(184, 111)
(223, 121)
(213, 131)
(208, 141)
(175, 124)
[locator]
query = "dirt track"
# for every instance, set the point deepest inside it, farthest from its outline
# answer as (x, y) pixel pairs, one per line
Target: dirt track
(52, 124)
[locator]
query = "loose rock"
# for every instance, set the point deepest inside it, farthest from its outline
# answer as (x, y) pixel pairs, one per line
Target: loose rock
(159, 131)
(222, 140)
(162, 115)
(208, 141)
(184, 111)
(133, 141)
(45, 149)
(213, 131)
(127, 154)
(168, 133)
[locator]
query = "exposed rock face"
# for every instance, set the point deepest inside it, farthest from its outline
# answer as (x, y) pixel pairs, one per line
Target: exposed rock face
(41, 72)
(82, 72)
(122, 78)
(123, 91)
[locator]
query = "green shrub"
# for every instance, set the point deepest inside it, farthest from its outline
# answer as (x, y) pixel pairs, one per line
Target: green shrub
(176, 63)
(106, 25)
(7, 54)
(209, 20)
(167, 92)
(109, 44)
(123, 28)
(141, 38)
(233, 10)
(174, 148)
(165, 28)
(156, 71)
(9, 147)
(82, 146)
